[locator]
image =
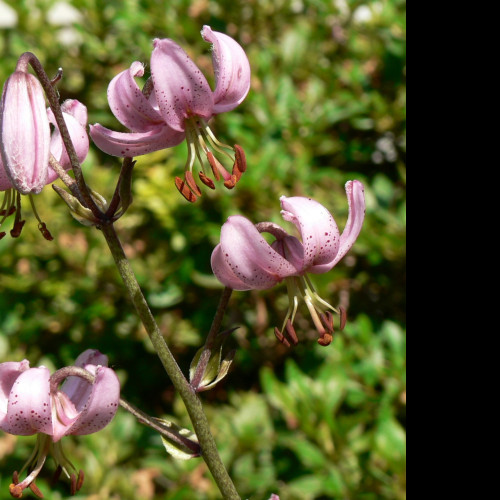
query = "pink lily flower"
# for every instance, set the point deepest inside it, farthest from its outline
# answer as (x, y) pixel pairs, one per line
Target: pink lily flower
(245, 261)
(179, 109)
(27, 145)
(31, 402)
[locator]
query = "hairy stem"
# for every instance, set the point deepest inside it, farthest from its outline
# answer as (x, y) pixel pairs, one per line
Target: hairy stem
(193, 404)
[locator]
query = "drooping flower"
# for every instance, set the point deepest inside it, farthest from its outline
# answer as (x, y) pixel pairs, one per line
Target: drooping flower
(27, 145)
(179, 108)
(31, 402)
(244, 260)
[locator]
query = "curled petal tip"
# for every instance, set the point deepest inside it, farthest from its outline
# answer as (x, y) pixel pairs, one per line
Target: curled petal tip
(232, 70)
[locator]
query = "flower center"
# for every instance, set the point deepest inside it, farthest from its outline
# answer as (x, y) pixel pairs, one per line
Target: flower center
(204, 146)
(301, 288)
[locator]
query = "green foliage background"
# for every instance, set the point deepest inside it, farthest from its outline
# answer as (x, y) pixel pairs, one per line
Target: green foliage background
(327, 105)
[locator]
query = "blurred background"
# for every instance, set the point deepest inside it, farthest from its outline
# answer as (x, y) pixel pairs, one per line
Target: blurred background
(327, 105)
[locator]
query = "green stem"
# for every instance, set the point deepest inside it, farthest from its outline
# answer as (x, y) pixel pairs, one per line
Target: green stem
(189, 397)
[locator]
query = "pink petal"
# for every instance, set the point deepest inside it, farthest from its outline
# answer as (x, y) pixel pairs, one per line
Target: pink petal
(291, 249)
(29, 408)
(66, 413)
(180, 87)
(356, 198)
(232, 70)
(4, 179)
(127, 102)
(250, 257)
(77, 110)
(79, 138)
(9, 372)
(77, 388)
(24, 133)
(131, 144)
(317, 227)
(223, 271)
(101, 405)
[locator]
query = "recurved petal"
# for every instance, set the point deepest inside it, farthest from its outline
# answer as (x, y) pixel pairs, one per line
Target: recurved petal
(77, 110)
(357, 207)
(224, 273)
(9, 372)
(78, 389)
(232, 70)
(180, 87)
(102, 404)
(317, 227)
(127, 102)
(131, 144)
(66, 413)
(292, 249)
(250, 257)
(79, 138)
(29, 408)
(24, 133)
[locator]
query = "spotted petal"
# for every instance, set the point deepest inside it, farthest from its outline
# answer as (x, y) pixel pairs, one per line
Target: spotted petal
(251, 259)
(101, 406)
(127, 102)
(131, 144)
(78, 389)
(318, 230)
(180, 87)
(232, 70)
(29, 405)
(357, 207)
(224, 273)
(9, 372)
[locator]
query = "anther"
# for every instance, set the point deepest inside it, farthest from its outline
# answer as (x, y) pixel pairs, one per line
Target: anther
(207, 181)
(16, 491)
(7, 213)
(215, 164)
(327, 320)
(36, 490)
(79, 482)
(191, 183)
(231, 182)
(184, 190)
(343, 317)
(72, 487)
(325, 340)
(240, 163)
(2, 235)
(17, 229)
(281, 337)
(45, 232)
(292, 335)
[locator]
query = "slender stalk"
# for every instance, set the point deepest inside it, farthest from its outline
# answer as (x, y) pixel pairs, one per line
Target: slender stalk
(193, 404)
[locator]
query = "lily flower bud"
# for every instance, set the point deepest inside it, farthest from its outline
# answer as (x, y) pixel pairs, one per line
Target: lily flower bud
(25, 133)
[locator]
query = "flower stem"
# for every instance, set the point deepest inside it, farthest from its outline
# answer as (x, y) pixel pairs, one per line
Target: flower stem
(189, 397)
(53, 98)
